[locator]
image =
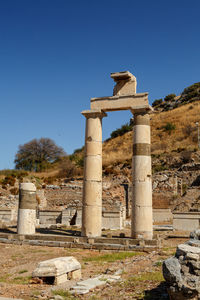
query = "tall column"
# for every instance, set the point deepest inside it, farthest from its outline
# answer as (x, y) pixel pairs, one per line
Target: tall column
(92, 185)
(27, 208)
(142, 226)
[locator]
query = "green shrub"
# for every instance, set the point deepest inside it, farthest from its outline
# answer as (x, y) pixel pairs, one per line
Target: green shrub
(157, 102)
(169, 127)
(170, 97)
(192, 88)
(191, 92)
(121, 131)
(77, 159)
(78, 150)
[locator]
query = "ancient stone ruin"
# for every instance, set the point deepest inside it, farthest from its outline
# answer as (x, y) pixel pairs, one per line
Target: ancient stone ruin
(124, 98)
(27, 208)
(182, 272)
(58, 270)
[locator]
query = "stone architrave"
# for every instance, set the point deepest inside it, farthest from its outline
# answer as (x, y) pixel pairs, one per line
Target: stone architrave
(142, 180)
(92, 185)
(27, 208)
(124, 98)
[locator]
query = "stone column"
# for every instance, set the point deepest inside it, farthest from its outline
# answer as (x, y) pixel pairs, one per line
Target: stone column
(92, 185)
(27, 208)
(142, 180)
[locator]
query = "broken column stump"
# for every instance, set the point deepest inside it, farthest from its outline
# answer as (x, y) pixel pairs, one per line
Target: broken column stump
(58, 270)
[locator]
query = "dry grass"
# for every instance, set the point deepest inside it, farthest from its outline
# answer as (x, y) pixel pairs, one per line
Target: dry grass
(183, 137)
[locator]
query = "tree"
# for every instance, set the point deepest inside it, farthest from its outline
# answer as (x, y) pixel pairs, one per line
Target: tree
(37, 155)
(170, 97)
(157, 102)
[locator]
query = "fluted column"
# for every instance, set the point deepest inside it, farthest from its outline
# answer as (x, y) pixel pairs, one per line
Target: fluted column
(27, 208)
(142, 180)
(92, 185)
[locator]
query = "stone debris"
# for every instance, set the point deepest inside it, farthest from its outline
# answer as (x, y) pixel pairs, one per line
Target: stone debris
(60, 268)
(84, 287)
(182, 272)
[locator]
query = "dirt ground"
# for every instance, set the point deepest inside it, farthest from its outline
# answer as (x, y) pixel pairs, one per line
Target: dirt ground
(141, 272)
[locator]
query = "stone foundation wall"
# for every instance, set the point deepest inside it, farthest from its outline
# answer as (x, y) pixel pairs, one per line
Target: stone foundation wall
(49, 217)
(7, 215)
(71, 216)
(188, 221)
(162, 215)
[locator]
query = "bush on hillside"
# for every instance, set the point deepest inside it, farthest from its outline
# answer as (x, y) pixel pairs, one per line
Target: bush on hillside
(192, 88)
(191, 92)
(157, 102)
(169, 127)
(121, 131)
(170, 97)
(77, 159)
(79, 150)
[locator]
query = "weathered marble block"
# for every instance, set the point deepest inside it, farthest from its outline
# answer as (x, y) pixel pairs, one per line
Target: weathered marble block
(62, 268)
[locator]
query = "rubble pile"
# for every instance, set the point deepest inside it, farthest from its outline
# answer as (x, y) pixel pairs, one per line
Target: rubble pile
(182, 272)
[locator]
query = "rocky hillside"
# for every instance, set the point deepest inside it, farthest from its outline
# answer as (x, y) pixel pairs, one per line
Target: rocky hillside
(189, 95)
(172, 132)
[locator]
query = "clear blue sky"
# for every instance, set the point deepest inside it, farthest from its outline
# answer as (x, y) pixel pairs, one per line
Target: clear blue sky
(57, 54)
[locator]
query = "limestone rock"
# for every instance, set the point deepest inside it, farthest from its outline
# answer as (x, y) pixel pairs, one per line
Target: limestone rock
(172, 270)
(182, 272)
(195, 234)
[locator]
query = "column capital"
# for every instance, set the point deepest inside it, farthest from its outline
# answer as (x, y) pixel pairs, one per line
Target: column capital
(95, 113)
(146, 109)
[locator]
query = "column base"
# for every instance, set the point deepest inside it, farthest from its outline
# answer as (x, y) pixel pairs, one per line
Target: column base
(145, 235)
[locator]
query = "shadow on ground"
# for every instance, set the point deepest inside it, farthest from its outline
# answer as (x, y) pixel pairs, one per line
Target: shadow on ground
(8, 230)
(158, 293)
(62, 232)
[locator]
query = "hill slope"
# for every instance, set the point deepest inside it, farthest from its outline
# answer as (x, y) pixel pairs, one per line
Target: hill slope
(172, 130)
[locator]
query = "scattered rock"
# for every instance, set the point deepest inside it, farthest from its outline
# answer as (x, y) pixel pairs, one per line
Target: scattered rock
(182, 272)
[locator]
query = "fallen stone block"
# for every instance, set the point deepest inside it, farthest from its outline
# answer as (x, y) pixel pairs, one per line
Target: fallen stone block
(60, 269)
(84, 287)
